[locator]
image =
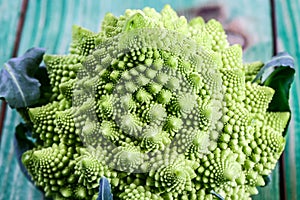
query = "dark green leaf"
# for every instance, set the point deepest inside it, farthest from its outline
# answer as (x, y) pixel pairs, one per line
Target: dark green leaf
(45, 88)
(104, 190)
(281, 59)
(280, 80)
(23, 142)
(267, 179)
(278, 74)
(18, 86)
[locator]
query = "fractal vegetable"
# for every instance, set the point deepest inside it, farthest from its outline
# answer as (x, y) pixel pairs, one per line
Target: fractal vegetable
(152, 107)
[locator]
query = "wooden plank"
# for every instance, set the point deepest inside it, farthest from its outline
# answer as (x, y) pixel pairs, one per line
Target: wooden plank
(9, 19)
(288, 23)
(48, 24)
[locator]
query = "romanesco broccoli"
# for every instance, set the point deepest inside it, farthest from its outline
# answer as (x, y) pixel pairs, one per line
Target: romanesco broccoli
(162, 107)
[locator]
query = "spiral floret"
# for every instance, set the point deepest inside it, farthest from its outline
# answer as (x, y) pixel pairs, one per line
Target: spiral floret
(162, 107)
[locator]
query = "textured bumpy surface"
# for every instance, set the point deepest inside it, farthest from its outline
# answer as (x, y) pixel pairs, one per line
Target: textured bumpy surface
(162, 107)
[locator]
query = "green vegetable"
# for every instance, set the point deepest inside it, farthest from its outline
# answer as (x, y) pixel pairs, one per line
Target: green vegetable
(161, 107)
(278, 74)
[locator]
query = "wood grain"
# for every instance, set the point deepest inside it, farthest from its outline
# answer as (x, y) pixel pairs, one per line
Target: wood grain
(10, 175)
(288, 19)
(8, 20)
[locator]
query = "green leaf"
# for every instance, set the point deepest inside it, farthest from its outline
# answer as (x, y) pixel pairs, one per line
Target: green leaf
(23, 142)
(104, 190)
(45, 89)
(267, 179)
(18, 85)
(278, 74)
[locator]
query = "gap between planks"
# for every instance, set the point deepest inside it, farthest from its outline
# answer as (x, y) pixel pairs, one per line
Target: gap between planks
(14, 54)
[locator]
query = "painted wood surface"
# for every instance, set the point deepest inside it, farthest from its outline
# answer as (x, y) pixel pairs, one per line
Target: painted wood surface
(288, 19)
(12, 180)
(48, 24)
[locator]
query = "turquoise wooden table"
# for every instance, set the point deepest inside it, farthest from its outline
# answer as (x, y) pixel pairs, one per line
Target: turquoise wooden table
(28, 23)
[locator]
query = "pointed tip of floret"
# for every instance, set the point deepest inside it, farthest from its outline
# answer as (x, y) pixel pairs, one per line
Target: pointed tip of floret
(79, 32)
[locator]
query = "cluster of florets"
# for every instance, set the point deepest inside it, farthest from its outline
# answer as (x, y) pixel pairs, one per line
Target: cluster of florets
(162, 107)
